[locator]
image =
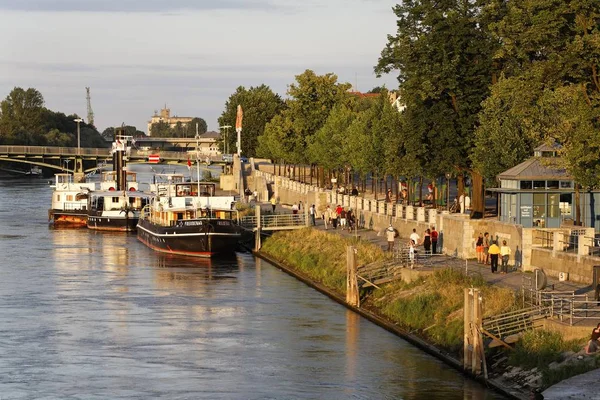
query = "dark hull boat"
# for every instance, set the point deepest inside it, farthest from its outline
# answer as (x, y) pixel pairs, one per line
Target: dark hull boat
(207, 237)
(185, 218)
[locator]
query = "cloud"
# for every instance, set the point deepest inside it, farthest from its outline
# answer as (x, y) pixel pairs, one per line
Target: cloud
(134, 5)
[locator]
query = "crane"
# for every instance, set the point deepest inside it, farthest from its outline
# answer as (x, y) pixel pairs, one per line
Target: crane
(90, 112)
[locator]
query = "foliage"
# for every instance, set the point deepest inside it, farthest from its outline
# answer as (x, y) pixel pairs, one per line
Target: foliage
(444, 57)
(312, 98)
(319, 255)
(259, 104)
(25, 120)
(164, 129)
(538, 348)
(550, 56)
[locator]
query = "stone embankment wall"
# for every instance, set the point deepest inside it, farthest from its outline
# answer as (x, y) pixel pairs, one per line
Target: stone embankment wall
(458, 233)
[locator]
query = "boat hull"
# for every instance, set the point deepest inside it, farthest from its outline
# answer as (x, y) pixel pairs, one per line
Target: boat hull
(112, 223)
(75, 218)
(211, 238)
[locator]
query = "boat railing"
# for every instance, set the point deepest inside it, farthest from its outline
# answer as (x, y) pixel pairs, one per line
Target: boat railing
(73, 206)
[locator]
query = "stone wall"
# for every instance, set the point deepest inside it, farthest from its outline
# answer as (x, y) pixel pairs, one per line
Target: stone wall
(458, 233)
(579, 268)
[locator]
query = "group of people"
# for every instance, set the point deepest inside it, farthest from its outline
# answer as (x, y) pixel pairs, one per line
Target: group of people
(339, 217)
(489, 252)
(429, 241)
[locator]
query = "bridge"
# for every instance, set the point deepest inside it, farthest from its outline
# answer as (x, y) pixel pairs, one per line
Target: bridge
(87, 159)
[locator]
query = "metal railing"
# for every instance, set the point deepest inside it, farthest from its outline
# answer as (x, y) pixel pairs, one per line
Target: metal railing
(378, 273)
(544, 238)
(566, 306)
(270, 222)
(51, 150)
(513, 322)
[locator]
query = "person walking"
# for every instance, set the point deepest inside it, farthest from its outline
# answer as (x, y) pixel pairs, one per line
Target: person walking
(479, 249)
(414, 236)
(343, 215)
(334, 217)
(427, 241)
(411, 253)
(486, 247)
(273, 203)
(505, 254)
(391, 237)
(327, 217)
(594, 343)
(434, 240)
(493, 252)
(312, 212)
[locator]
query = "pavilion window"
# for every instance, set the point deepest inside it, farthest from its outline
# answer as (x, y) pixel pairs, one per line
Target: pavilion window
(526, 185)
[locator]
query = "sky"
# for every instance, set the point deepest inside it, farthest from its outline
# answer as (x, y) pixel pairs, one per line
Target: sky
(138, 55)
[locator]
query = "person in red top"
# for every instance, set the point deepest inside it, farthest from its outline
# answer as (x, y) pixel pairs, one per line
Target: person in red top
(434, 240)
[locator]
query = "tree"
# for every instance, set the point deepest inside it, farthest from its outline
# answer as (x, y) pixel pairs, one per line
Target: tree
(260, 104)
(161, 129)
(444, 57)
(190, 127)
(550, 57)
(312, 98)
(21, 116)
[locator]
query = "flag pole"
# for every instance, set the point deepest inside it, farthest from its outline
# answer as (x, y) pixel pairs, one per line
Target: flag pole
(198, 163)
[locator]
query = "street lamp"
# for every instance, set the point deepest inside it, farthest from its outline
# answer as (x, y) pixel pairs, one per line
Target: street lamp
(78, 120)
(448, 175)
(226, 127)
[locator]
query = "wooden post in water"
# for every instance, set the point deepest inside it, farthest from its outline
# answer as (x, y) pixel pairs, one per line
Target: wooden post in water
(257, 239)
(352, 296)
(475, 332)
(467, 342)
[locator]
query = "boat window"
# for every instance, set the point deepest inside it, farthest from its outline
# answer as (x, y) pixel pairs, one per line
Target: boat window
(115, 199)
(69, 197)
(131, 200)
(58, 197)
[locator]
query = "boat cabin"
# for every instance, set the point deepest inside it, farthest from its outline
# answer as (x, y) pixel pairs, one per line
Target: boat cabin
(111, 201)
(108, 180)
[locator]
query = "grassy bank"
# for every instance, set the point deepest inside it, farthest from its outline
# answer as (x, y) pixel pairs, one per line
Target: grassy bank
(430, 307)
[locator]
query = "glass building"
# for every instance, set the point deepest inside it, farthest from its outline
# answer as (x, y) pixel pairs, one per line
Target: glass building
(539, 193)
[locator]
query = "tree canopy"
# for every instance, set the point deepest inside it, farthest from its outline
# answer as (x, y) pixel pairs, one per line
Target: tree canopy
(259, 104)
(24, 120)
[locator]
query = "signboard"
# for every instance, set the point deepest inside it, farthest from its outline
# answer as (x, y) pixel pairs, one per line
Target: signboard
(525, 211)
(154, 158)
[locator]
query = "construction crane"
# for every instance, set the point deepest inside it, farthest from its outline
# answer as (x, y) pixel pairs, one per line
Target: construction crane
(90, 112)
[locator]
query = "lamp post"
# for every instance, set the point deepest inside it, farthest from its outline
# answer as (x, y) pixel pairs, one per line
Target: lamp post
(78, 120)
(226, 127)
(448, 191)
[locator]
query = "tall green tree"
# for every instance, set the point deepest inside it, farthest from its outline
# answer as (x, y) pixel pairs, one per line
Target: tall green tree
(443, 55)
(259, 104)
(190, 127)
(21, 116)
(312, 97)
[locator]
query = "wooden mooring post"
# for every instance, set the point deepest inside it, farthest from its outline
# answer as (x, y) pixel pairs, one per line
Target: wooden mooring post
(257, 238)
(473, 352)
(352, 296)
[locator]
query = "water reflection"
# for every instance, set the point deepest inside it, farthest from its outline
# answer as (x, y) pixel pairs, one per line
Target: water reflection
(99, 315)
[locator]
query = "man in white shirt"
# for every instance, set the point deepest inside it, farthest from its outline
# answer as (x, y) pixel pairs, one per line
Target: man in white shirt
(414, 236)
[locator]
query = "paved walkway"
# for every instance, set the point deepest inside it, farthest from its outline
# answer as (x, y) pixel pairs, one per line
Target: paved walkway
(513, 279)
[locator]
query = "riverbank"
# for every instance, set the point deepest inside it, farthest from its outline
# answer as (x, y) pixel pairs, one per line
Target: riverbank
(428, 312)
(407, 310)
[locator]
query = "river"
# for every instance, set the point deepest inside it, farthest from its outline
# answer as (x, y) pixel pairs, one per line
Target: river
(95, 315)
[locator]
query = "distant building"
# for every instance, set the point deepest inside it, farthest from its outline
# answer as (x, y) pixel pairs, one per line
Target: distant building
(165, 116)
(393, 97)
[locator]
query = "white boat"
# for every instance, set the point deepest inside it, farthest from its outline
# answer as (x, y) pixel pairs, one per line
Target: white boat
(70, 201)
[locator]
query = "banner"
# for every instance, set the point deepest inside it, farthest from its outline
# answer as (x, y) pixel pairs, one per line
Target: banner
(238, 120)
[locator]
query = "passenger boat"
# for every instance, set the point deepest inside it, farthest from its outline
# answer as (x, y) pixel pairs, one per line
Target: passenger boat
(117, 205)
(115, 210)
(187, 218)
(70, 201)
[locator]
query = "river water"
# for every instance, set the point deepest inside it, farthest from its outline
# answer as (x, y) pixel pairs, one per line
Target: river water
(95, 315)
